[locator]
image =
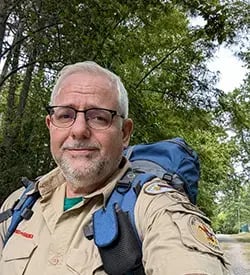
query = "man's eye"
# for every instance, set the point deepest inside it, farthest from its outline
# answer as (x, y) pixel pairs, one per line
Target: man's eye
(63, 116)
(99, 118)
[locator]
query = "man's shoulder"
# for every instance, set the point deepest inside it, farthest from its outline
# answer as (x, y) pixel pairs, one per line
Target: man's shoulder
(15, 195)
(158, 195)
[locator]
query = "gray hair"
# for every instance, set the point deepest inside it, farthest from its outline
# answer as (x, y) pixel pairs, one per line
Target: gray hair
(94, 68)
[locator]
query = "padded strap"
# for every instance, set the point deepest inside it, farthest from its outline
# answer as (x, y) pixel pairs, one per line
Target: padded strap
(105, 224)
(129, 198)
(29, 185)
(22, 209)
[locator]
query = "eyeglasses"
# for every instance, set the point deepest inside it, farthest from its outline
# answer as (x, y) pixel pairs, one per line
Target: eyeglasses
(96, 118)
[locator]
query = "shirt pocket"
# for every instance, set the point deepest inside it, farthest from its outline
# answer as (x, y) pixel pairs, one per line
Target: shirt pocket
(16, 255)
(85, 262)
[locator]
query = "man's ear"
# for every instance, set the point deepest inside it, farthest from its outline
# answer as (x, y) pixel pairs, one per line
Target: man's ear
(47, 121)
(128, 126)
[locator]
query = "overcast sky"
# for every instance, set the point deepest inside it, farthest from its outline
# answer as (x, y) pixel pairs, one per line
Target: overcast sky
(232, 70)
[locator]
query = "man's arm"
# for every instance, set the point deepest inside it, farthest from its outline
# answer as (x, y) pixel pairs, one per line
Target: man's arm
(176, 239)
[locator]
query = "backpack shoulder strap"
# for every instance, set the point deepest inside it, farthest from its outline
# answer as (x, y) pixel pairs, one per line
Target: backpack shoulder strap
(114, 228)
(21, 208)
(29, 185)
(123, 197)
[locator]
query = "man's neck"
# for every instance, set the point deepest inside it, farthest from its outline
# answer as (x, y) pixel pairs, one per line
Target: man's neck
(70, 193)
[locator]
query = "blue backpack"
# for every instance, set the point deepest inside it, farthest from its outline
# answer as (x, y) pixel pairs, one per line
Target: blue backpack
(113, 226)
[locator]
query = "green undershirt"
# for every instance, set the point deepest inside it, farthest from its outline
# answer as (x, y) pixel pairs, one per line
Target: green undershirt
(70, 202)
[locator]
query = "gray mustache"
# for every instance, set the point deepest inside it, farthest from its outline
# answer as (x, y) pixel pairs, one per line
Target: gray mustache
(80, 145)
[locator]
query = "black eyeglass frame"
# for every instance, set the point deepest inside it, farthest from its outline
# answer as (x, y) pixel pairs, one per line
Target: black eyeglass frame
(113, 113)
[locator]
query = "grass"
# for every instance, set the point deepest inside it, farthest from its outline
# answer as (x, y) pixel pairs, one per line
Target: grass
(246, 252)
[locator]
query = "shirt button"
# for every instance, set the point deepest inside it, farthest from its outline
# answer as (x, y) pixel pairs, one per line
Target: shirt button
(54, 260)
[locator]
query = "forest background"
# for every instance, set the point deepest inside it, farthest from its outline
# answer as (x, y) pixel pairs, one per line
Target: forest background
(162, 60)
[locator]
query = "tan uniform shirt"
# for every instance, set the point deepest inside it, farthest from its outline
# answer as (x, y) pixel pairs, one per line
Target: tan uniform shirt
(175, 241)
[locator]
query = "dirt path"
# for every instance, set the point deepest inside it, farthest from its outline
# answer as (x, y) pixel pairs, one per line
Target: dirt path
(235, 252)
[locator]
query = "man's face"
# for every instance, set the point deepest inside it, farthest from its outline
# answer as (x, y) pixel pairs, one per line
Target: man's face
(87, 156)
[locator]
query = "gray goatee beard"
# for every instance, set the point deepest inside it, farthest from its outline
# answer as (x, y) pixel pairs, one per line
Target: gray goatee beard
(90, 176)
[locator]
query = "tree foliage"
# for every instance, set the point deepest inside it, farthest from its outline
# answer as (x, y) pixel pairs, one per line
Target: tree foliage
(233, 205)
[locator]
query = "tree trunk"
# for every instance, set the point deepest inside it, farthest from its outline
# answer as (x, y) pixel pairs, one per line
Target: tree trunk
(9, 132)
(3, 20)
(26, 84)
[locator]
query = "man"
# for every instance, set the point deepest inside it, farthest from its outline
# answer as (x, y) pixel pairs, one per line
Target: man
(89, 128)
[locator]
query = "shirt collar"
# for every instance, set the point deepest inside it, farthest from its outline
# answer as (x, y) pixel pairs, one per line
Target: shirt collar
(50, 181)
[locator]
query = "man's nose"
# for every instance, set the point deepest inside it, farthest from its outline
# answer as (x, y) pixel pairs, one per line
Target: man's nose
(80, 127)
